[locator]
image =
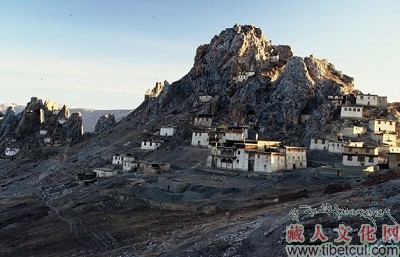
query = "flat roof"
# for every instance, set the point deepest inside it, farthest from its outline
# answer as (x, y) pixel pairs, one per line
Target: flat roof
(103, 169)
(366, 95)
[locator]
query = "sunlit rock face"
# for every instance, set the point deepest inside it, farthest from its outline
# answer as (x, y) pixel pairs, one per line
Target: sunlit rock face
(253, 81)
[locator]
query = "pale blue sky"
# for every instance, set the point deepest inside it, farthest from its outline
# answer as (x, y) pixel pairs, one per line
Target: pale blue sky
(104, 54)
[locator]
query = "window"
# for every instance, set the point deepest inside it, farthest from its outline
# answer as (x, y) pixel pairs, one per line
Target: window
(323, 141)
(298, 157)
(349, 157)
(145, 143)
(390, 123)
(258, 156)
(367, 150)
(358, 109)
(371, 159)
(354, 109)
(237, 161)
(361, 159)
(361, 97)
(315, 141)
(238, 152)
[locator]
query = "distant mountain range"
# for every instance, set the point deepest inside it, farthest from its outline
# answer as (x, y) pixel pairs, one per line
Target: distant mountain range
(90, 116)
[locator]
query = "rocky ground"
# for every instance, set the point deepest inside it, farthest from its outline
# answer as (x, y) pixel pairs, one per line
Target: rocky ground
(46, 211)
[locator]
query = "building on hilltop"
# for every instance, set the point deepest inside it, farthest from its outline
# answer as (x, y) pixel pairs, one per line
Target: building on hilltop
(217, 136)
(385, 139)
(128, 165)
(355, 112)
(203, 120)
(205, 98)
(168, 131)
(11, 151)
(319, 144)
(360, 156)
(352, 131)
(151, 145)
(243, 76)
(274, 58)
(118, 159)
(371, 100)
(105, 172)
(332, 146)
(200, 138)
(295, 157)
(338, 100)
(382, 125)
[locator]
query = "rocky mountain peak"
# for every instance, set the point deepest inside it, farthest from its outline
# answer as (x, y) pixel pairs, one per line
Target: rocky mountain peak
(253, 81)
(242, 48)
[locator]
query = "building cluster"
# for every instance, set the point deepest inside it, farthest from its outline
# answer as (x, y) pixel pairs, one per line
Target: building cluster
(256, 155)
(154, 144)
(127, 163)
(231, 149)
(357, 111)
(362, 144)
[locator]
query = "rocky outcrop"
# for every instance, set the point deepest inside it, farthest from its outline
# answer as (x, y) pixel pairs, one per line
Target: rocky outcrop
(38, 120)
(275, 90)
(30, 119)
(105, 122)
(8, 123)
(73, 127)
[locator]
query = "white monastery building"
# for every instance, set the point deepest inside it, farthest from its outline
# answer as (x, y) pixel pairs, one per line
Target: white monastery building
(150, 145)
(371, 100)
(351, 112)
(168, 131)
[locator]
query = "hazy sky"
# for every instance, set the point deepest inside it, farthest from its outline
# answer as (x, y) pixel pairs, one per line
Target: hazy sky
(104, 54)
